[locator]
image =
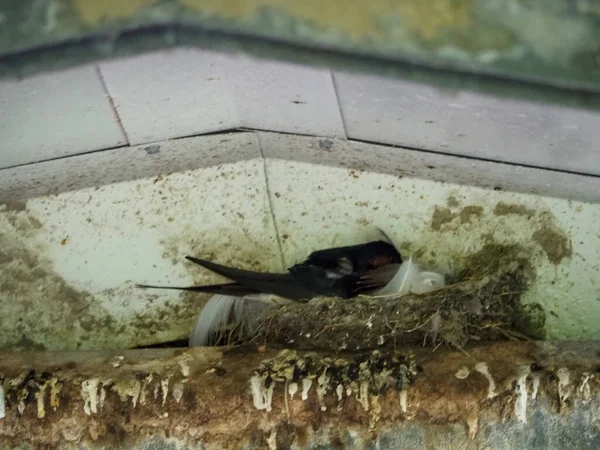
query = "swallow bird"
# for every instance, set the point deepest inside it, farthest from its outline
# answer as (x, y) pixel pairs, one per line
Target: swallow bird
(343, 272)
(335, 272)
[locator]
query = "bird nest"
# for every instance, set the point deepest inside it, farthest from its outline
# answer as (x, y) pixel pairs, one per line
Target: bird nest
(482, 304)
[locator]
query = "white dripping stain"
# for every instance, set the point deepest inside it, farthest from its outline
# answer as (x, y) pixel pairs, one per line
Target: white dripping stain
(535, 386)
(128, 389)
(89, 393)
(564, 384)
(185, 367)
(147, 380)
(584, 387)
(39, 398)
(363, 394)
(292, 389)
(22, 394)
(117, 361)
(306, 384)
(404, 401)
(482, 368)
(375, 415)
(2, 402)
(178, 390)
(102, 395)
(521, 395)
(164, 388)
(339, 390)
(322, 384)
(55, 388)
(473, 425)
(272, 440)
(348, 391)
(262, 396)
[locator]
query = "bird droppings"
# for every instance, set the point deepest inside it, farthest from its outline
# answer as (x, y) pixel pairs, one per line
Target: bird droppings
(535, 385)
(292, 389)
(117, 361)
(89, 393)
(306, 384)
(483, 369)
(462, 373)
(520, 392)
(2, 401)
(584, 387)
(368, 375)
(564, 385)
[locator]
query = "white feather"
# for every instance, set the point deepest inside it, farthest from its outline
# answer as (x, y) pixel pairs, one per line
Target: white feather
(213, 317)
(223, 312)
(410, 278)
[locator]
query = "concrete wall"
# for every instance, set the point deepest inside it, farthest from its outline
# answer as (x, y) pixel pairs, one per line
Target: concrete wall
(79, 226)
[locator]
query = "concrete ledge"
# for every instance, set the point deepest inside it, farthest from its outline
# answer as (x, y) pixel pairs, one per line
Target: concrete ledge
(497, 396)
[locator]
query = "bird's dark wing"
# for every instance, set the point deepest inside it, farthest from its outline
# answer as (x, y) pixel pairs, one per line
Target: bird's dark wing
(282, 284)
(340, 271)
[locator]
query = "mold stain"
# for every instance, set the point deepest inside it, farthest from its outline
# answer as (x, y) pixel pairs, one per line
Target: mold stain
(41, 303)
(506, 209)
(443, 216)
(553, 241)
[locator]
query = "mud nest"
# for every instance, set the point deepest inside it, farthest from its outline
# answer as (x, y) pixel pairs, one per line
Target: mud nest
(483, 304)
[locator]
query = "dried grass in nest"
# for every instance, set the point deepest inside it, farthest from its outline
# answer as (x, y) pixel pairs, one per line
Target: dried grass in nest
(478, 308)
